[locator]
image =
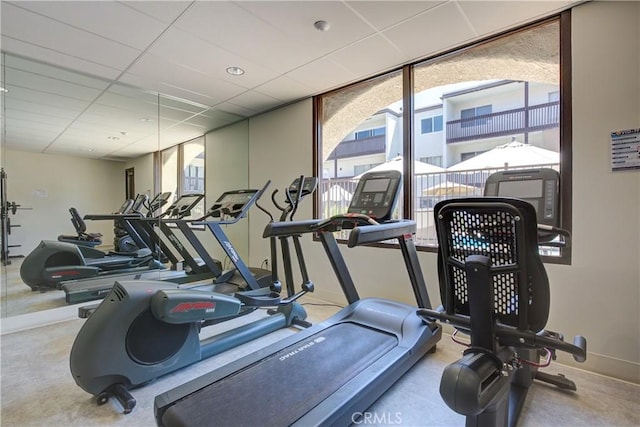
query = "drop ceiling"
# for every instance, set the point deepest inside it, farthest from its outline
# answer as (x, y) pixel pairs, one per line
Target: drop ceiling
(119, 79)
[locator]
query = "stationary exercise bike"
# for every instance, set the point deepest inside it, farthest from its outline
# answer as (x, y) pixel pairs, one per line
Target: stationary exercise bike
(145, 329)
(494, 287)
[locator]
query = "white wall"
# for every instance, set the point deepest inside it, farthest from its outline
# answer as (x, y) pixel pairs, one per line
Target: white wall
(50, 185)
(598, 295)
(143, 174)
(227, 151)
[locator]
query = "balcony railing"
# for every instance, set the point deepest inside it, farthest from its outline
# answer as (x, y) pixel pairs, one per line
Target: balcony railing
(540, 117)
(429, 189)
(359, 147)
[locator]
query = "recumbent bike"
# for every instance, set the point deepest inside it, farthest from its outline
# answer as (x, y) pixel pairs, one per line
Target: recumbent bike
(494, 287)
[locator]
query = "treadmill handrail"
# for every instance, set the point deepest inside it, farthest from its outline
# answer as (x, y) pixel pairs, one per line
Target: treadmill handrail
(380, 232)
(370, 233)
(95, 217)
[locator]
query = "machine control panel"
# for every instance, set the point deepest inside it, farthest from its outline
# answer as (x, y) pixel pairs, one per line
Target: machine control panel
(540, 187)
(376, 194)
(309, 184)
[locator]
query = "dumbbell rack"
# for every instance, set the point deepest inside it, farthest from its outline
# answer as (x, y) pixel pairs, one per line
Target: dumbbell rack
(6, 209)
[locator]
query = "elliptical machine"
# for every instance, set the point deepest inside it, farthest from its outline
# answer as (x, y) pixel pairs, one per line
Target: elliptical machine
(53, 262)
(145, 329)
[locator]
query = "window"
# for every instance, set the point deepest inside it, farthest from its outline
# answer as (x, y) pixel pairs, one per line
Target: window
(182, 171)
(431, 124)
(433, 160)
(494, 97)
(370, 133)
(468, 116)
(469, 155)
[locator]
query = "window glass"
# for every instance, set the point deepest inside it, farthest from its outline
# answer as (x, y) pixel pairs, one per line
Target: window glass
(169, 173)
(484, 108)
(498, 113)
(193, 172)
(183, 172)
(361, 129)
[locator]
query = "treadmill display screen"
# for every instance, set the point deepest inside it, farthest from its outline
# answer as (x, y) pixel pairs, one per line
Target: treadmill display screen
(376, 185)
(521, 189)
(236, 198)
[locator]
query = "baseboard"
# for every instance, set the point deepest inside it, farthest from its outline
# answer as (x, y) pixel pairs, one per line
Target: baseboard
(22, 322)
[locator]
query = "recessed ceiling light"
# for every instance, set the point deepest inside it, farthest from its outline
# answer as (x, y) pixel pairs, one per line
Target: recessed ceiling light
(235, 71)
(113, 138)
(322, 25)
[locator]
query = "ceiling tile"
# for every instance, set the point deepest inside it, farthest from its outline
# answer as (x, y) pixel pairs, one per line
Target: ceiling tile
(229, 27)
(162, 10)
(59, 59)
(296, 18)
(369, 56)
(383, 14)
(322, 74)
(109, 19)
(256, 100)
(489, 17)
(437, 29)
(172, 79)
(285, 89)
(211, 61)
(32, 28)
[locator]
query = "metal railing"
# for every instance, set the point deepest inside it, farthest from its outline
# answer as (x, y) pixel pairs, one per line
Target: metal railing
(429, 189)
(530, 119)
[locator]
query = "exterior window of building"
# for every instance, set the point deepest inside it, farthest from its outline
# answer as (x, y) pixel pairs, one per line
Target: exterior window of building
(454, 120)
(469, 155)
(469, 115)
(433, 160)
(182, 171)
(431, 124)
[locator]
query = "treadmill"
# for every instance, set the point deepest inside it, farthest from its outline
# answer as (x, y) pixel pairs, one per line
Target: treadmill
(206, 268)
(333, 371)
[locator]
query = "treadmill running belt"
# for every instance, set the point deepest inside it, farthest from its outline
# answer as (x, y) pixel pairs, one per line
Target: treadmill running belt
(281, 388)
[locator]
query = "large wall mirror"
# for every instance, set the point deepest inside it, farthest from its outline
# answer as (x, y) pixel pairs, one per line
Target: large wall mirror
(69, 139)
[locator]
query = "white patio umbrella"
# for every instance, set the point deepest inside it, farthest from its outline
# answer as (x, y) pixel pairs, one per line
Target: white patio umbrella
(451, 189)
(336, 193)
(396, 164)
(513, 154)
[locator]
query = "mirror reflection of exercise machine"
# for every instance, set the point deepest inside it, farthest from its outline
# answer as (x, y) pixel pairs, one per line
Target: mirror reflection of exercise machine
(7, 208)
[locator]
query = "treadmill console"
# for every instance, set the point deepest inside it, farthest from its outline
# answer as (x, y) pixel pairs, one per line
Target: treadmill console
(233, 203)
(139, 202)
(159, 201)
(182, 207)
(376, 194)
(540, 187)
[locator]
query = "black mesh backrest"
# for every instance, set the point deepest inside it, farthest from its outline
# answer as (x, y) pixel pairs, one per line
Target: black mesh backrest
(77, 221)
(505, 230)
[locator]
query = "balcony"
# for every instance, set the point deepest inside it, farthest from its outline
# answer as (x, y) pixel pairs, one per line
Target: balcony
(359, 147)
(540, 117)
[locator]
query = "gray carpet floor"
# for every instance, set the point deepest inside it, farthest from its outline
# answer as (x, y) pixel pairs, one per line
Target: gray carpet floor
(37, 388)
